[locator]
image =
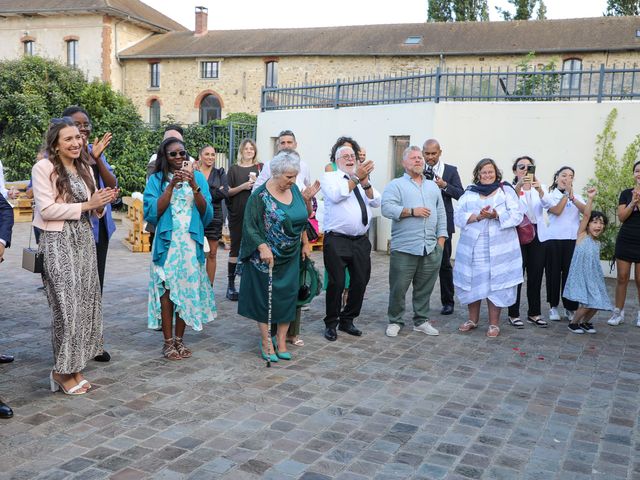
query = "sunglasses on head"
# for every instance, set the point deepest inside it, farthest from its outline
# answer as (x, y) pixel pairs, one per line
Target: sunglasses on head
(179, 153)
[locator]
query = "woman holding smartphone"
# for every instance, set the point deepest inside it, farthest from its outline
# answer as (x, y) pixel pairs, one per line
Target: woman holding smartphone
(178, 203)
(559, 238)
(531, 195)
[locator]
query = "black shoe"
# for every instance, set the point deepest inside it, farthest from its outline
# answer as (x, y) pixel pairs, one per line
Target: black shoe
(103, 357)
(232, 294)
(447, 310)
(330, 334)
(350, 329)
(5, 410)
(587, 327)
(6, 358)
(575, 328)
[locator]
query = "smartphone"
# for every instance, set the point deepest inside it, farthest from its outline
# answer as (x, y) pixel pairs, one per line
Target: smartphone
(186, 165)
(531, 169)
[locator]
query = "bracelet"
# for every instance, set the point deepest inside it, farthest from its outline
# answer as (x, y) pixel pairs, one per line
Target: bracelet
(354, 179)
(197, 189)
(367, 187)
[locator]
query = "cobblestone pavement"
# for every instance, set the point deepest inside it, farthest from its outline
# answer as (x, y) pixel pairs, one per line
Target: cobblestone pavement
(531, 404)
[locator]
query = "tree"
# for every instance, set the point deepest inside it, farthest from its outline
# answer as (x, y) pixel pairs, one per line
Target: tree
(439, 11)
(524, 10)
(622, 7)
(612, 175)
(458, 10)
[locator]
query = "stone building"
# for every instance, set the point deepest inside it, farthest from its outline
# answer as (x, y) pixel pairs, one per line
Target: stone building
(200, 75)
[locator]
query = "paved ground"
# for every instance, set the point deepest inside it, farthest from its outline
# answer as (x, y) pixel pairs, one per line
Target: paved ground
(532, 404)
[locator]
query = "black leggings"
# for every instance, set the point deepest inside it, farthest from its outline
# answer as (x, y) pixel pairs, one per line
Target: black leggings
(559, 254)
(533, 263)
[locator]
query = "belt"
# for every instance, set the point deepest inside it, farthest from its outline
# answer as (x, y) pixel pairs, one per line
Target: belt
(342, 235)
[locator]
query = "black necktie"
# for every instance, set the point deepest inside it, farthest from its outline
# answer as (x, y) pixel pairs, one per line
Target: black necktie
(363, 207)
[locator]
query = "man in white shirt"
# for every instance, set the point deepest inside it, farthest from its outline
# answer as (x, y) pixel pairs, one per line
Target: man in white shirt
(286, 141)
(348, 200)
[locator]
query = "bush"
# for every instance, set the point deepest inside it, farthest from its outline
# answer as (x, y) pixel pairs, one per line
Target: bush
(33, 90)
(612, 176)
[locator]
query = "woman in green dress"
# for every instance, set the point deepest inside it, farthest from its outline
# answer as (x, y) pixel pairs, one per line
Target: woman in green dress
(273, 235)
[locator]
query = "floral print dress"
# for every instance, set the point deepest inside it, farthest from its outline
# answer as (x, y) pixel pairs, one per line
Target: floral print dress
(182, 274)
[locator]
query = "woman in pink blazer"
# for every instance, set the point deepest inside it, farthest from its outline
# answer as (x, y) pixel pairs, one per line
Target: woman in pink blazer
(65, 198)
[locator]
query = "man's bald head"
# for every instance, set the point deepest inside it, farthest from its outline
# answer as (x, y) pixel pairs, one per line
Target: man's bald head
(431, 151)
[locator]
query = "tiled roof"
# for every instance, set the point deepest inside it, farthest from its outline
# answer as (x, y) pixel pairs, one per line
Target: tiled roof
(454, 38)
(134, 10)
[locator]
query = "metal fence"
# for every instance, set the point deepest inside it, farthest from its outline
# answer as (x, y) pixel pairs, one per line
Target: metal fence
(462, 85)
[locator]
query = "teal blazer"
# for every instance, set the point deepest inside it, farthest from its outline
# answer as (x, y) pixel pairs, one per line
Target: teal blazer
(162, 240)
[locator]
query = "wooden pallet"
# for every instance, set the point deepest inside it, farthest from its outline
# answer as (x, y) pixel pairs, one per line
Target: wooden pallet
(22, 210)
(137, 239)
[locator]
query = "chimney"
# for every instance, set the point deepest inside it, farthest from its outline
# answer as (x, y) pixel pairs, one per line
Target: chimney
(201, 20)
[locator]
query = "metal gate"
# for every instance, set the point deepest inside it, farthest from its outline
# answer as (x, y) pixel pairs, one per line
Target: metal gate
(230, 137)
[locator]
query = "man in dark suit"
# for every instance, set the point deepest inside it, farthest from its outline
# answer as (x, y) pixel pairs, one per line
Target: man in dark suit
(447, 178)
(6, 225)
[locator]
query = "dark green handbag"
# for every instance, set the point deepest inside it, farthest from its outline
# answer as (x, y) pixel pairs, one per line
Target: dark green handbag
(310, 283)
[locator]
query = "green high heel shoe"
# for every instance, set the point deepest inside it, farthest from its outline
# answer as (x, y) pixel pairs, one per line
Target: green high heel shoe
(272, 357)
(282, 355)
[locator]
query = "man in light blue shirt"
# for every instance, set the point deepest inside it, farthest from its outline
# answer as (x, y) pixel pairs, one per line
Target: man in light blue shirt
(418, 233)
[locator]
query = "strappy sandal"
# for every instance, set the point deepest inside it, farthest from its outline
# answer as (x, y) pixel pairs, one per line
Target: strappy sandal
(493, 331)
(298, 342)
(537, 321)
(516, 322)
(169, 351)
(468, 325)
(182, 350)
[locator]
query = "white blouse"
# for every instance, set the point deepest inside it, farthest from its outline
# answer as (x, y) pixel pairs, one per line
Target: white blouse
(563, 226)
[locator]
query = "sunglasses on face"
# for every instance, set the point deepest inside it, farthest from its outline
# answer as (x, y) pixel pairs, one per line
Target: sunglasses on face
(522, 167)
(179, 153)
(86, 126)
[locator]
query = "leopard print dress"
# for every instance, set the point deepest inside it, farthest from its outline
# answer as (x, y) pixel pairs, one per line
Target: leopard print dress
(71, 283)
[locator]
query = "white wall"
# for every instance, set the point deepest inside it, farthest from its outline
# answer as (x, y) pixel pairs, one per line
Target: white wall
(553, 133)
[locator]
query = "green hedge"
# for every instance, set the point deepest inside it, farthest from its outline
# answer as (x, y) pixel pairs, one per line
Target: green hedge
(33, 90)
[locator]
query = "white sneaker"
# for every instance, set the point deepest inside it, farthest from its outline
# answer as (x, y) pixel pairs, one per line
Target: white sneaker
(393, 329)
(554, 315)
(426, 328)
(638, 320)
(569, 314)
(617, 317)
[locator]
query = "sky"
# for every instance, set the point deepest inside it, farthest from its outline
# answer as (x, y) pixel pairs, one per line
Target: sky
(249, 14)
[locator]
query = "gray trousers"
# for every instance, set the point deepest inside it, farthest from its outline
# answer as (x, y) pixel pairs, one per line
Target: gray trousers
(421, 271)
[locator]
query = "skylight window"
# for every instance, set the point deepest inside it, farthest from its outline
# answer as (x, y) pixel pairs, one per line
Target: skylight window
(413, 40)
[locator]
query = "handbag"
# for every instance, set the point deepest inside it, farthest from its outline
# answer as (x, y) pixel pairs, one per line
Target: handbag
(310, 284)
(32, 260)
(526, 231)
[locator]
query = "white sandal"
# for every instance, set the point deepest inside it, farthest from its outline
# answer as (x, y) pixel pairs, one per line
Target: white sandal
(75, 390)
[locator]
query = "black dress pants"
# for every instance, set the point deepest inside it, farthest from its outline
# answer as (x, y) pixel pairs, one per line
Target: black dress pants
(102, 246)
(446, 275)
(533, 263)
(354, 253)
(559, 254)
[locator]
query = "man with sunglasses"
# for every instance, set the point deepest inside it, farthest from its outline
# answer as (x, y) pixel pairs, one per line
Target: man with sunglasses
(447, 179)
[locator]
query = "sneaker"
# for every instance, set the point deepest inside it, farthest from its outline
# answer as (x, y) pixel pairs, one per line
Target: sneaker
(569, 314)
(554, 315)
(588, 327)
(393, 329)
(617, 317)
(426, 328)
(638, 320)
(575, 328)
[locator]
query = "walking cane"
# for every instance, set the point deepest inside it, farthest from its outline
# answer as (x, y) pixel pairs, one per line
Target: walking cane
(270, 290)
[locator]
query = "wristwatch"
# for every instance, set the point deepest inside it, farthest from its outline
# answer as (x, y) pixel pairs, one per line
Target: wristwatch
(197, 189)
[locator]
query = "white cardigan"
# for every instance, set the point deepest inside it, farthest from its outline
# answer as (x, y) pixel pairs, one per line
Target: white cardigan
(504, 250)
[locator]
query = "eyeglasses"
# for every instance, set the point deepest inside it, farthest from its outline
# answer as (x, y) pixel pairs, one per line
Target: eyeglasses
(86, 126)
(179, 153)
(346, 156)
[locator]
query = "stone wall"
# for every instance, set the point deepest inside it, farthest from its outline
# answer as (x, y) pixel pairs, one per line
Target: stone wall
(241, 79)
